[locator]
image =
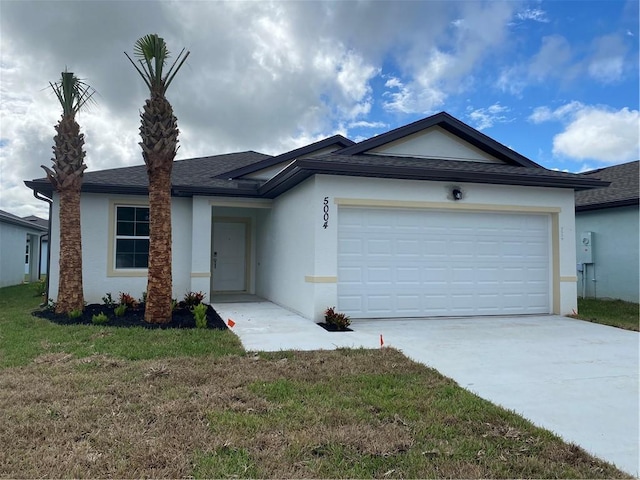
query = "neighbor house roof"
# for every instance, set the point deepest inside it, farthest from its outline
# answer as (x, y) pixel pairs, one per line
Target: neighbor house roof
(219, 174)
(6, 217)
(624, 188)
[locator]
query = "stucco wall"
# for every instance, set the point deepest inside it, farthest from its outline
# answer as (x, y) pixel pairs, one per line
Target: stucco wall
(435, 195)
(615, 253)
(96, 235)
(284, 252)
(13, 241)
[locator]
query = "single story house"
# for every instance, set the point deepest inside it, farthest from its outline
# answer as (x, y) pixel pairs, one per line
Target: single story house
(607, 234)
(43, 264)
(430, 219)
(20, 253)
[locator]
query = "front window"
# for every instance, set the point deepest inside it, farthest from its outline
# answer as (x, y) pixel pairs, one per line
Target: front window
(132, 237)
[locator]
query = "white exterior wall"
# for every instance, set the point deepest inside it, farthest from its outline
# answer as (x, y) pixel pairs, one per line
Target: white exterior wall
(96, 235)
(615, 253)
(13, 242)
(375, 192)
(284, 254)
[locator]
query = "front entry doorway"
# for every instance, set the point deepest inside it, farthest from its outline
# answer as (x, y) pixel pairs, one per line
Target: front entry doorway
(229, 256)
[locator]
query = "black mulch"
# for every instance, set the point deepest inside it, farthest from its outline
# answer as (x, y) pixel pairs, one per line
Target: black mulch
(330, 327)
(182, 318)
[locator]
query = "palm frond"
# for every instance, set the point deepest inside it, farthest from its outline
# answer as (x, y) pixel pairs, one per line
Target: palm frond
(152, 54)
(73, 94)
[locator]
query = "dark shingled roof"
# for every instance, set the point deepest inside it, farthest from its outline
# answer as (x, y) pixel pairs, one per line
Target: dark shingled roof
(422, 169)
(624, 189)
(219, 174)
(187, 175)
(7, 217)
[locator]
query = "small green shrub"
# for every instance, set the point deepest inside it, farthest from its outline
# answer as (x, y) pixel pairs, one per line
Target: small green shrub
(40, 287)
(200, 314)
(191, 299)
(108, 301)
(75, 313)
(99, 319)
(50, 306)
(340, 320)
(174, 304)
(128, 300)
(120, 309)
(144, 297)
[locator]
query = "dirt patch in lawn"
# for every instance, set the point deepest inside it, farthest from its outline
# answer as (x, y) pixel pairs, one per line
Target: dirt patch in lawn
(132, 317)
(337, 414)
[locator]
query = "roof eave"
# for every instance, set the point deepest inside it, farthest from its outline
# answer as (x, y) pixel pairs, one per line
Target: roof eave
(630, 202)
(302, 169)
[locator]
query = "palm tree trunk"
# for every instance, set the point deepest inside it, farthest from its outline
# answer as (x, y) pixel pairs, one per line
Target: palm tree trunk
(70, 295)
(159, 282)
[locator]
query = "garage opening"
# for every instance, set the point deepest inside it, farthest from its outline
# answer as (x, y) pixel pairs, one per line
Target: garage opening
(414, 263)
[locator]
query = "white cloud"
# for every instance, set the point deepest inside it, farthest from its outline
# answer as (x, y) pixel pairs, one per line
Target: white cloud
(606, 64)
(601, 135)
(593, 133)
(535, 14)
(483, 118)
(565, 112)
(365, 124)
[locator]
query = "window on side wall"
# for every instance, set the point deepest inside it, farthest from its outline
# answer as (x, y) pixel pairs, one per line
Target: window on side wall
(132, 237)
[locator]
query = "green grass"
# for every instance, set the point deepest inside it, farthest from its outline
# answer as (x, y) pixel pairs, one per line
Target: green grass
(616, 313)
(98, 401)
(24, 337)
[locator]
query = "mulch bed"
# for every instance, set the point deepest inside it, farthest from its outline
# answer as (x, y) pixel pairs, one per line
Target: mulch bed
(182, 318)
(330, 327)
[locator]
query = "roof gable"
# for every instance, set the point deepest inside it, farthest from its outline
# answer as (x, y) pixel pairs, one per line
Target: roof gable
(434, 143)
(264, 169)
(469, 143)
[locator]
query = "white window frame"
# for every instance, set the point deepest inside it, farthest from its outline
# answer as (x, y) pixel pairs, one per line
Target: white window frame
(112, 270)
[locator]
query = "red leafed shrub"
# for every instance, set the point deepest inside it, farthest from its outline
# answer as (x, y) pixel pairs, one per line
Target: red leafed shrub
(128, 300)
(340, 320)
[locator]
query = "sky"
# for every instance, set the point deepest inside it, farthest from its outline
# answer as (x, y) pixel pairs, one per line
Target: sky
(556, 81)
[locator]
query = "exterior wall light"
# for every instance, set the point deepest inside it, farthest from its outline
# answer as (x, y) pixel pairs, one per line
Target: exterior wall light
(457, 194)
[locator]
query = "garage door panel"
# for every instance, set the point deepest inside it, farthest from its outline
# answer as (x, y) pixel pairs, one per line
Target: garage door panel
(442, 263)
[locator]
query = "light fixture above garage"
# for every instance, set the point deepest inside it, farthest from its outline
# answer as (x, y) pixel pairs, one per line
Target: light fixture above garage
(456, 193)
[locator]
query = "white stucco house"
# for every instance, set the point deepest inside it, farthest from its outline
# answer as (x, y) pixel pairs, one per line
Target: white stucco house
(430, 219)
(20, 249)
(608, 234)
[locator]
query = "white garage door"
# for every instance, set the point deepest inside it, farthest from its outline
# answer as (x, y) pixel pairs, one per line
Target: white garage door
(413, 263)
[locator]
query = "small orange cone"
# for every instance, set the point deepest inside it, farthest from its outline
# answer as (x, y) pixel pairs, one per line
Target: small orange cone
(231, 323)
(381, 341)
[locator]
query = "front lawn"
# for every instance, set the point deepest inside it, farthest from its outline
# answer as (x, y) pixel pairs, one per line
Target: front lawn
(88, 401)
(616, 313)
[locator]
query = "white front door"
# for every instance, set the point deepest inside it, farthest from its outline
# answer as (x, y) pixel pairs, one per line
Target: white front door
(229, 256)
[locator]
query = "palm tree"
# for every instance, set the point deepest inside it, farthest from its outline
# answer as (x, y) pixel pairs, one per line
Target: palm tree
(159, 132)
(66, 177)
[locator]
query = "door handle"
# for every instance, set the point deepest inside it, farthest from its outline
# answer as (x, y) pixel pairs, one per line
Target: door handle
(215, 259)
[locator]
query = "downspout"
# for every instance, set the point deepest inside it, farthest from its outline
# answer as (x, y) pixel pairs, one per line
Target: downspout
(37, 195)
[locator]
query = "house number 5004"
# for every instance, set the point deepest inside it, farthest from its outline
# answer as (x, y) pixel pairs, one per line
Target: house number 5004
(325, 209)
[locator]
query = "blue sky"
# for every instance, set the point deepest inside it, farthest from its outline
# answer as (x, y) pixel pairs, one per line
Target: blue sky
(556, 81)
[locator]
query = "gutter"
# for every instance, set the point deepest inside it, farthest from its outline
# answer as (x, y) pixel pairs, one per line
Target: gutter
(302, 169)
(39, 196)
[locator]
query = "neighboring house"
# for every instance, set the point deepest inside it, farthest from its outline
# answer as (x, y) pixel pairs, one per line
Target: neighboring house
(44, 246)
(430, 219)
(19, 244)
(607, 234)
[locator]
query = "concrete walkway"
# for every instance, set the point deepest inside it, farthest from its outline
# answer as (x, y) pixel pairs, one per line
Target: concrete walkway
(577, 379)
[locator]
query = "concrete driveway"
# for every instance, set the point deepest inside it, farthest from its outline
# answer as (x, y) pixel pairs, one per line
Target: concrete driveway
(577, 379)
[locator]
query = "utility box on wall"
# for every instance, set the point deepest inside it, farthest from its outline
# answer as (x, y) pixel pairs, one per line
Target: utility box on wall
(585, 249)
